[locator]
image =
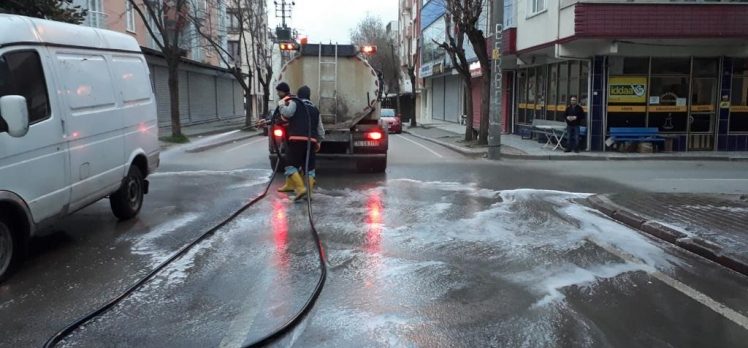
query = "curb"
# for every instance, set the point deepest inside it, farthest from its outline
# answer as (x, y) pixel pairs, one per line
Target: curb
(220, 143)
(695, 245)
(460, 149)
(469, 152)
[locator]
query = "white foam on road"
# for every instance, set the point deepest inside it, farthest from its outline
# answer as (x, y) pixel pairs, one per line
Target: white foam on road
(245, 171)
(147, 243)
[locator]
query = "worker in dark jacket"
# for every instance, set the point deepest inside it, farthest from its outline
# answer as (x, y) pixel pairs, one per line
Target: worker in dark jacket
(302, 119)
(574, 116)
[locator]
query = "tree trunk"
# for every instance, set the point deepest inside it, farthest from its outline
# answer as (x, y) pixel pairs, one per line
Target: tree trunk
(412, 75)
(266, 95)
(484, 105)
(479, 46)
(248, 105)
(469, 104)
(176, 124)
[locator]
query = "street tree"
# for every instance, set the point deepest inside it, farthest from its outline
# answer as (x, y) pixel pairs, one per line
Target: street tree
(462, 21)
(56, 10)
(165, 21)
(248, 26)
(371, 31)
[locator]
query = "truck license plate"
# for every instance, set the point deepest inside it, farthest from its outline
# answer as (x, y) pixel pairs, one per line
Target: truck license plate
(365, 143)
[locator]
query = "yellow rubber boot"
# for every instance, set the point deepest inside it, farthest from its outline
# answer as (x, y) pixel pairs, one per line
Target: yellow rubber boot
(287, 187)
(298, 186)
(312, 183)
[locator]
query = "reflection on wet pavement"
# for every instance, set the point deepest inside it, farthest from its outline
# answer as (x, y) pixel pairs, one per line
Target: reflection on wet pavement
(415, 263)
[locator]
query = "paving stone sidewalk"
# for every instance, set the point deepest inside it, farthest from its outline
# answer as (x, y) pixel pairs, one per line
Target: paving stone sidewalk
(715, 226)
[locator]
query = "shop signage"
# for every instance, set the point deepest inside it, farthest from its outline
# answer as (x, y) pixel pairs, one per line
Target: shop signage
(619, 108)
(627, 89)
(438, 68)
(475, 69)
(668, 108)
(702, 108)
(426, 70)
(741, 108)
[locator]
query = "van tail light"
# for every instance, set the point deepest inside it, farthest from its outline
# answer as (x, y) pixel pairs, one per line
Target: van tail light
(374, 135)
(278, 132)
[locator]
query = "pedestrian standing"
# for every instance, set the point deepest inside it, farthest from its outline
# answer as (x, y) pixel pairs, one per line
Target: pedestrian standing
(574, 115)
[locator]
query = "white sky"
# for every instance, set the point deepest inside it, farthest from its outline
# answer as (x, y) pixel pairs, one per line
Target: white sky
(332, 20)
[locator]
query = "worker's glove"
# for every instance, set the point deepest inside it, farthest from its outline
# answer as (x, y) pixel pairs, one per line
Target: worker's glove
(317, 147)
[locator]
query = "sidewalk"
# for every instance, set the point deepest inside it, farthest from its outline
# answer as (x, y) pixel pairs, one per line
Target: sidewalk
(713, 226)
(199, 134)
(514, 147)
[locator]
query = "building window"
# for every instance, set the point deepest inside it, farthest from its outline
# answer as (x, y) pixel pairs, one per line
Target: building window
(130, 16)
(21, 74)
(537, 6)
(234, 52)
(434, 32)
(233, 20)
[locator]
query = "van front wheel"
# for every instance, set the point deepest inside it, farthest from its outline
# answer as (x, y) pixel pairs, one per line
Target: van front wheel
(9, 255)
(128, 200)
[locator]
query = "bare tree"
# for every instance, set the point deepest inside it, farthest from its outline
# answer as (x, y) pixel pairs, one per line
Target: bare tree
(251, 34)
(371, 31)
(462, 18)
(165, 21)
(262, 49)
(214, 36)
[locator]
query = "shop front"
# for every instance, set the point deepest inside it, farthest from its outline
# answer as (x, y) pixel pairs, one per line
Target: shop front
(697, 103)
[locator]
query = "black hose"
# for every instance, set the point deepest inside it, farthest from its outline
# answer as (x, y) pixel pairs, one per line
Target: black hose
(296, 319)
(60, 335)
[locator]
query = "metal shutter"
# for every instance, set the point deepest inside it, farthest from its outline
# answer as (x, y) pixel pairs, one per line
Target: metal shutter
(161, 89)
(452, 97)
(238, 99)
(437, 98)
(184, 111)
(225, 97)
(202, 97)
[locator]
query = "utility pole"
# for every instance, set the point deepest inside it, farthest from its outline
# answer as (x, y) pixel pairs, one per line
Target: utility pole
(283, 33)
(495, 107)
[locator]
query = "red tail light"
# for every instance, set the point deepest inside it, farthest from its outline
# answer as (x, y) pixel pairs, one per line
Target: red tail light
(278, 132)
(375, 135)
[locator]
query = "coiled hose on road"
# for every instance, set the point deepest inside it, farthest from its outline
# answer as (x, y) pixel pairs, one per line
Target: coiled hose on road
(276, 334)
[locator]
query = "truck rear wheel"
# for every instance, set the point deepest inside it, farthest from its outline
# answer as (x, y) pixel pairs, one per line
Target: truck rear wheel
(128, 200)
(9, 252)
(378, 165)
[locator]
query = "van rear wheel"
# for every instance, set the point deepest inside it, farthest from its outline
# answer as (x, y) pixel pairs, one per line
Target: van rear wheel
(9, 255)
(128, 200)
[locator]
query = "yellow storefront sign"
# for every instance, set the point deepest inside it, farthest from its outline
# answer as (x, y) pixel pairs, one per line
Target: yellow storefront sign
(633, 108)
(668, 108)
(739, 108)
(627, 89)
(702, 108)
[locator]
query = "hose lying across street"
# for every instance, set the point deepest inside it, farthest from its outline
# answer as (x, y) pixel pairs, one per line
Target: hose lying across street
(277, 333)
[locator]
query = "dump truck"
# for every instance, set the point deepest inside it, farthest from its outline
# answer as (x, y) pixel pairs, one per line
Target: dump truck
(346, 89)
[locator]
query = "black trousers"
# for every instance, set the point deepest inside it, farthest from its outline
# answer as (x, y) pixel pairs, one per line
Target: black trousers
(296, 155)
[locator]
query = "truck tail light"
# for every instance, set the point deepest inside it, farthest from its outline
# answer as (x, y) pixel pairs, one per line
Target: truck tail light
(374, 135)
(278, 132)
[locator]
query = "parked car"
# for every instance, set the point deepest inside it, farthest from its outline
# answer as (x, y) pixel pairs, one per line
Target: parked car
(390, 121)
(77, 124)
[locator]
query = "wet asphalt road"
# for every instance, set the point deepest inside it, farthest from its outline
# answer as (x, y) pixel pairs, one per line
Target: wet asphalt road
(439, 251)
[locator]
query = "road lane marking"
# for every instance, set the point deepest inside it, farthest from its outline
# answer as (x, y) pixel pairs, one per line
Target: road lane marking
(421, 145)
(719, 308)
(700, 179)
(245, 144)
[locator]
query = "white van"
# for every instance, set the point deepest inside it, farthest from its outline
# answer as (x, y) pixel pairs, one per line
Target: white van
(77, 124)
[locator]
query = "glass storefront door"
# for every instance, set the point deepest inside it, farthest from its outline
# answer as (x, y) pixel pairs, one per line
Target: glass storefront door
(702, 114)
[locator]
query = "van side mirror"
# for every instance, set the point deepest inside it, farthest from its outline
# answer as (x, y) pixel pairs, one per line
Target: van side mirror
(15, 113)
